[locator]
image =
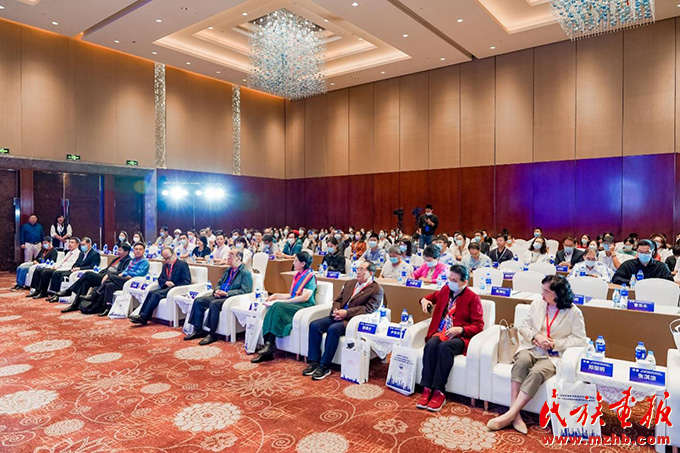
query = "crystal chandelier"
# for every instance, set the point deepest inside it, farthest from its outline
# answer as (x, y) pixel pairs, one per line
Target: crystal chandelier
(287, 55)
(585, 18)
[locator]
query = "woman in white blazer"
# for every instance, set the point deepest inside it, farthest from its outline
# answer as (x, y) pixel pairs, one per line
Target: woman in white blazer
(554, 325)
(538, 252)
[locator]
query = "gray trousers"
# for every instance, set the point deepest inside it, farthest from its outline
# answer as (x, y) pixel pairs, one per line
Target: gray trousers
(531, 371)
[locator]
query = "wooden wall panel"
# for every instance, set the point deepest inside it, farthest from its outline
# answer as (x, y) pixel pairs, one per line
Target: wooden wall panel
(315, 137)
(599, 96)
(361, 151)
(295, 139)
(263, 135)
(444, 195)
(385, 200)
(337, 201)
(514, 199)
(386, 125)
(315, 203)
(598, 206)
(295, 208)
(649, 89)
(337, 142)
(554, 198)
(135, 111)
(477, 113)
(476, 199)
(413, 192)
(360, 192)
(10, 87)
(444, 118)
(413, 122)
(275, 201)
(47, 95)
(554, 101)
(514, 107)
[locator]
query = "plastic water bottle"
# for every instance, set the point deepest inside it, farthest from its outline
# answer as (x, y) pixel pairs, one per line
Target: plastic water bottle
(354, 269)
(407, 259)
(382, 320)
(354, 257)
(381, 261)
(640, 352)
(616, 297)
(208, 286)
(600, 345)
(95, 246)
(106, 249)
(258, 298)
(488, 283)
(441, 281)
(640, 276)
(651, 360)
(402, 276)
(96, 268)
(515, 258)
(403, 324)
(482, 286)
(324, 268)
(633, 281)
(211, 258)
(525, 267)
(624, 296)
(115, 250)
(590, 349)
(582, 273)
(148, 279)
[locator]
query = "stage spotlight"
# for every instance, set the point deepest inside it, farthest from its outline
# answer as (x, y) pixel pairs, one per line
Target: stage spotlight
(199, 193)
(178, 193)
(214, 193)
(165, 193)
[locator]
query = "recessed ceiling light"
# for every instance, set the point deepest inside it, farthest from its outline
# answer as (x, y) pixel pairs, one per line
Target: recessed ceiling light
(116, 41)
(332, 83)
(211, 28)
(355, 4)
(218, 72)
(459, 20)
(244, 14)
(382, 72)
(361, 39)
(188, 62)
(245, 80)
(159, 20)
(405, 35)
(2, 7)
(154, 52)
(54, 22)
(442, 58)
(492, 47)
(326, 20)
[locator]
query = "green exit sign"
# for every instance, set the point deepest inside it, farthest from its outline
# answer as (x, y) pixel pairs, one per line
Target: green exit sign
(4, 150)
(131, 163)
(73, 157)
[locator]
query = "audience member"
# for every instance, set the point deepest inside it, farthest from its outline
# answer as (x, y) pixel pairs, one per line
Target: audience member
(475, 259)
(501, 253)
(292, 247)
(374, 253)
(427, 223)
(445, 256)
(395, 265)
(122, 238)
(568, 256)
(60, 232)
(47, 253)
(431, 268)
(42, 276)
(201, 250)
(538, 251)
(31, 235)
(591, 267)
(88, 259)
(650, 268)
(164, 238)
(334, 258)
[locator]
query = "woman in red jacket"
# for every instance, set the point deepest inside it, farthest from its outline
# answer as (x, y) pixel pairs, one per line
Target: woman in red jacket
(457, 316)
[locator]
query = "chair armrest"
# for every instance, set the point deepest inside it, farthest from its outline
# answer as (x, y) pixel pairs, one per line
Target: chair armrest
(307, 315)
(179, 290)
(126, 286)
(415, 335)
(238, 301)
(353, 325)
(488, 358)
(569, 363)
(473, 368)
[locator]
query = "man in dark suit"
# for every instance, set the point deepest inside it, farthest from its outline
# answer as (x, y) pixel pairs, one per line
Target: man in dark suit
(501, 253)
(236, 280)
(94, 279)
(174, 273)
(358, 297)
(569, 255)
(42, 276)
(86, 261)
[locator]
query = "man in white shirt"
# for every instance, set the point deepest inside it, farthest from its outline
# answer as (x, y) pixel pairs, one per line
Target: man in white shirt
(476, 259)
(184, 248)
(395, 265)
(221, 250)
(164, 238)
(591, 267)
(445, 256)
(270, 246)
(210, 237)
(42, 276)
(257, 243)
(608, 255)
(176, 235)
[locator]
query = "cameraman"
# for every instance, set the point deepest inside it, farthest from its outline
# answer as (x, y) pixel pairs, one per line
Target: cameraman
(428, 224)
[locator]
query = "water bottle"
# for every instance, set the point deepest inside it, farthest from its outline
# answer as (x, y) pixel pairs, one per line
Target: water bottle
(403, 324)
(95, 246)
(488, 282)
(633, 281)
(651, 360)
(624, 296)
(115, 250)
(616, 298)
(381, 261)
(324, 268)
(590, 349)
(148, 279)
(211, 258)
(258, 297)
(383, 322)
(525, 267)
(640, 276)
(106, 249)
(582, 272)
(482, 286)
(600, 346)
(354, 257)
(354, 269)
(208, 286)
(640, 352)
(515, 258)
(402, 276)
(407, 259)
(96, 268)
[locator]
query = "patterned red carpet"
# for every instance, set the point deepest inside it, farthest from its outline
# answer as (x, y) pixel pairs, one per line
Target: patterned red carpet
(76, 383)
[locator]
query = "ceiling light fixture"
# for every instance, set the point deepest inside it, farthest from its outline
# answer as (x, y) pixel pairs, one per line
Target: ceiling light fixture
(459, 20)
(245, 80)
(326, 20)
(586, 18)
(159, 20)
(211, 28)
(405, 35)
(492, 47)
(54, 22)
(442, 58)
(332, 83)
(382, 72)
(154, 52)
(116, 41)
(244, 14)
(2, 7)
(188, 62)
(218, 72)
(355, 4)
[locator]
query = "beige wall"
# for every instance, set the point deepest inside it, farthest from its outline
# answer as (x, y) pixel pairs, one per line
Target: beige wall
(608, 96)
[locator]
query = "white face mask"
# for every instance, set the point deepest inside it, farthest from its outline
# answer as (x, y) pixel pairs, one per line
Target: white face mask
(136, 239)
(291, 241)
(121, 238)
(590, 263)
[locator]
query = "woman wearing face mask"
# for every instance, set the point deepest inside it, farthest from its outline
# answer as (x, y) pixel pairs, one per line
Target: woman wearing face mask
(554, 325)
(459, 249)
(394, 265)
(628, 247)
(137, 236)
(538, 233)
(312, 241)
(241, 244)
(122, 238)
(383, 242)
(538, 252)
(457, 316)
(201, 250)
(584, 242)
(292, 247)
(590, 267)
(334, 258)
(431, 268)
(662, 251)
(60, 232)
(406, 249)
(358, 244)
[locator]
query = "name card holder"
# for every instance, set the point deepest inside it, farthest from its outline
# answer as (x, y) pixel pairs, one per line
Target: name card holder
(394, 332)
(412, 283)
(641, 305)
(645, 376)
(562, 268)
(500, 291)
(367, 327)
(596, 367)
(134, 285)
(508, 275)
(580, 299)
(333, 274)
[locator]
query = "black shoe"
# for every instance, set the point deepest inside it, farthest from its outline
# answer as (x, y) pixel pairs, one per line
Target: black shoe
(70, 308)
(61, 294)
(195, 335)
(31, 294)
(263, 358)
(310, 369)
(39, 296)
(267, 349)
(138, 320)
(105, 312)
(16, 288)
(207, 340)
(53, 298)
(321, 373)
(88, 297)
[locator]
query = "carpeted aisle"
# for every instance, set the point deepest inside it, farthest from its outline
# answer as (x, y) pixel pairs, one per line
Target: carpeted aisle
(70, 382)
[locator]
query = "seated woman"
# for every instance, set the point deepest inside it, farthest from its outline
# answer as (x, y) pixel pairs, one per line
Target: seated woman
(431, 268)
(137, 236)
(584, 243)
(628, 247)
(201, 250)
(122, 238)
(395, 265)
(292, 247)
(457, 316)
(459, 247)
(591, 267)
(538, 252)
(358, 245)
(406, 249)
(553, 325)
(278, 322)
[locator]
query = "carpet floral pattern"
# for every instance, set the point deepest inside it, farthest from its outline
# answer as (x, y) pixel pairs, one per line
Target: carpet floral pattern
(76, 383)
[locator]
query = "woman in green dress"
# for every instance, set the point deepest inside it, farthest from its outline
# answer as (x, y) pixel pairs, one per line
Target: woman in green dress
(278, 322)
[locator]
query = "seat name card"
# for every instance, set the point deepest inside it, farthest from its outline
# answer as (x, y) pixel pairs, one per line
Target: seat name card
(645, 376)
(500, 291)
(562, 268)
(134, 285)
(333, 274)
(508, 275)
(580, 299)
(597, 367)
(394, 332)
(412, 283)
(367, 327)
(641, 305)
(322, 253)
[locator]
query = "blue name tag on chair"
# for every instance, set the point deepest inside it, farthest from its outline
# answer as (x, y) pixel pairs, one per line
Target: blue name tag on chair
(367, 327)
(333, 274)
(411, 283)
(645, 376)
(394, 332)
(580, 299)
(495, 264)
(562, 268)
(597, 367)
(641, 305)
(322, 253)
(508, 275)
(134, 285)
(144, 286)
(500, 291)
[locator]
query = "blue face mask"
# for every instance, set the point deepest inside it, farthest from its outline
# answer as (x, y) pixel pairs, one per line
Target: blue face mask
(46, 246)
(330, 250)
(438, 245)
(537, 234)
(394, 259)
(569, 250)
(432, 263)
(645, 258)
(402, 248)
(83, 248)
(453, 286)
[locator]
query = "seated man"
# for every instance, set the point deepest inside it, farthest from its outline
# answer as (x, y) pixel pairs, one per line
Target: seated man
(475, 259)
(501, 253)
(183, 248)
(644, 262)
(608, 255)
(136, 267)
(257, 244)
(395, 265)
(47, 253)
(591, 267)
(569, 256)
(334, 258)
(358, 297)
(164, 238)
(445, 256)
(479, 239)
(373, 252)
(94, 279)
(236, 280)
(174, 273)
(270, 247)
(42, 276)
(87, 260)
(221, 250)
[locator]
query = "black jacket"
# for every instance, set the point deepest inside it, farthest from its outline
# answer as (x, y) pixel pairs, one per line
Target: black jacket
(335, 261)
(654, 269)
(89, 261)
(576, 257)
(121, 263)
(45, 255)
(498, 257)
(180, 275)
